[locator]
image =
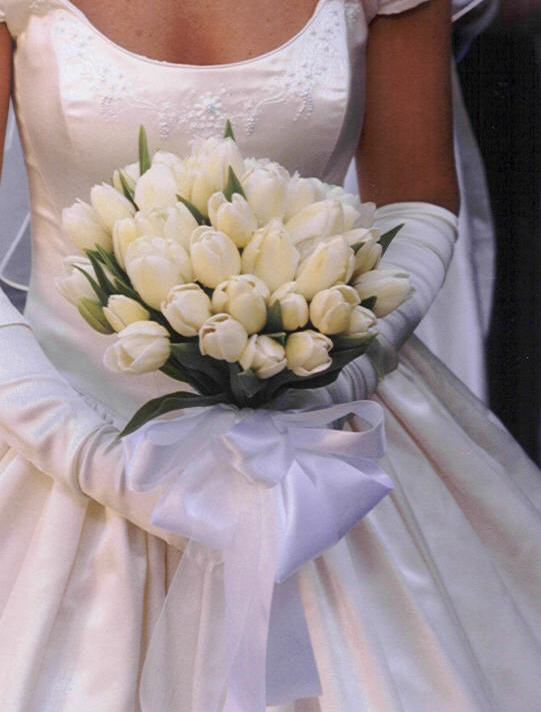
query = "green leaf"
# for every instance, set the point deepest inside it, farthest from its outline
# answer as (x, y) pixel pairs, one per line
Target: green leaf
(92, 313)
(369, 303)
(144, 155)
(274, 318)
(247, 380)
(229, 133)
(127, 189)
(346, 342)
(233, 185)
(386, 239)
(102, 278)
(199, 217)
(190, 357)
(100, 293)
(165, 404)
(279, 336)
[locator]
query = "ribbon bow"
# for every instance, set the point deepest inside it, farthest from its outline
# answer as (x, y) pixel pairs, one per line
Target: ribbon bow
(258, 493)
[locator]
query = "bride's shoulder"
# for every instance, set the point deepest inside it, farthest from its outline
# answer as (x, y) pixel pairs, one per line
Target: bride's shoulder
(15, 13)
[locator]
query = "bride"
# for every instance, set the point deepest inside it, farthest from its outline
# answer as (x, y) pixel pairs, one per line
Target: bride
(432, 601)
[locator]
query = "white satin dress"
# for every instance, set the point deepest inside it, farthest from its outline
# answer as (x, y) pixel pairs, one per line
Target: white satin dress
(432, 603)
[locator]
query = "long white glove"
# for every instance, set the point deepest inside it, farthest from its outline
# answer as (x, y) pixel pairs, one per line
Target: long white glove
(423, 248)
(51, 425)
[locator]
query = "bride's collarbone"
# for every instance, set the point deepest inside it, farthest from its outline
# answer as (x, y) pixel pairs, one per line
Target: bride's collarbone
(201, 32)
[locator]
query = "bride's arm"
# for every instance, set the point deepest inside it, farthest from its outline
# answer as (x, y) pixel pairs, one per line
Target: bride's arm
(406, 149)
(43, 418)
(6, 58)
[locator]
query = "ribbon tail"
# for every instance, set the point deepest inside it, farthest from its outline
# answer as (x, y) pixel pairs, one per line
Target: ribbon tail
(291, 667)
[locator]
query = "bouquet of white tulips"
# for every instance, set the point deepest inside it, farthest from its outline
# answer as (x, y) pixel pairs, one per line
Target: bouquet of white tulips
(227, 273)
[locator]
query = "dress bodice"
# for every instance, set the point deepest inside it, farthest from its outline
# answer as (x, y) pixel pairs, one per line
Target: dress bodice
(80, 99)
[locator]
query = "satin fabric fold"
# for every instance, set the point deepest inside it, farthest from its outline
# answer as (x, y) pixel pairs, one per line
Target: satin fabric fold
(270, 491)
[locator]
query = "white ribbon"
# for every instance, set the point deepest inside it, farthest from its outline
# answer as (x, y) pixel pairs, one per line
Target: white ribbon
(258, 493)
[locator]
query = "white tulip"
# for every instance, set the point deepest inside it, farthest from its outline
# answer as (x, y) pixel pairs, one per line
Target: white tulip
(391, 287)
(271, 256)
(330, 309)
(141, 347)
(263, 355)
(215, 156)
(155, 265)
(131, 174)
(214, 255)
(122, 311)
(179, 225)
(242, 299)
(223, 338)
(363, 322)
(330, 263)
(318, 220)
(293, 306)
(124, 233)
(356, 214)
(165, 158)
(367, 256)
(156, 188)
(110, 205)
(187, 308)
(74, 286)
(302, 192)
(194, 184)
(82, 225)
(265, 186)
(235, 218)
(308, 352)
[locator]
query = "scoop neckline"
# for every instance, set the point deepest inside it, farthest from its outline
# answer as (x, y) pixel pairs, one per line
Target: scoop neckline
(196, 67)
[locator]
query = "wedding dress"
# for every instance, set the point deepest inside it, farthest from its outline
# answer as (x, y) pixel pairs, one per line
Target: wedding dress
(432, 601)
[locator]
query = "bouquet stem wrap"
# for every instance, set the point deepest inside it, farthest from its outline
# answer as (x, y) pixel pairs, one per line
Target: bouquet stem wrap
(258, 493)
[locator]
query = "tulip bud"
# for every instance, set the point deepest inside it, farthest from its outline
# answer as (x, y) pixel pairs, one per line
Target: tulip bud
(302, 192)
(363, 322)
(265, 187)
(242, 299)
(82, 225)
(318, 220)
(367, 257)
(165, 158)
(124, 233)
(270, 255)
(92, 313)
(391, 287)
(330, 309)
(293, 306)
(330, 263)
(141, 347)
(74, 286)
(131, 174)
(236, 218)
(307, 352)
(122, 311)
(223, 338)
(215, 156)
(187, 308)
(155, 265)
(263, 355)
(179, 225)
(214, 255)
(156, 188)
(110, 205)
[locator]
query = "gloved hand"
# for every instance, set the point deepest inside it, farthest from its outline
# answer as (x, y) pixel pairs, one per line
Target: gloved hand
(423, 248)
(50, 424)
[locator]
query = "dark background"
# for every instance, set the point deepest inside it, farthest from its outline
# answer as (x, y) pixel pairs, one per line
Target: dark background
(502, 90)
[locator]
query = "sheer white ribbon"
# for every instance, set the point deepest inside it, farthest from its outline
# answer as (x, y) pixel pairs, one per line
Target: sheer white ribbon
(258, 493)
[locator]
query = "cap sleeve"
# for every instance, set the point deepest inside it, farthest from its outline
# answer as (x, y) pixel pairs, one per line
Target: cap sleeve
(392, 7)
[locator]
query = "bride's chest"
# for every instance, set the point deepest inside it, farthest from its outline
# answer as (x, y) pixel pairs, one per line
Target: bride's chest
(82, 96)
